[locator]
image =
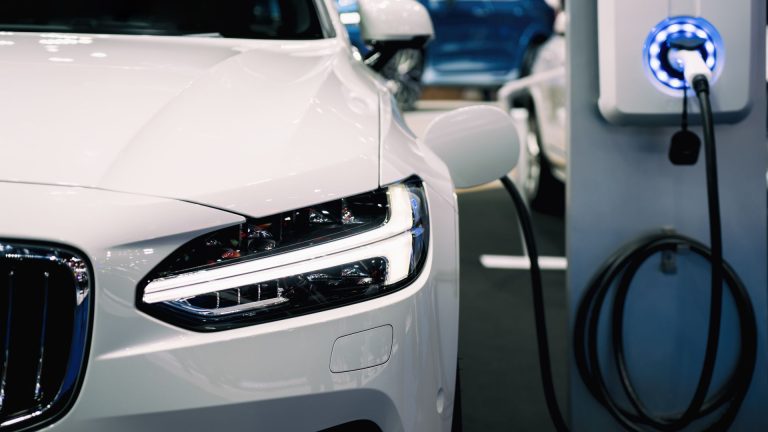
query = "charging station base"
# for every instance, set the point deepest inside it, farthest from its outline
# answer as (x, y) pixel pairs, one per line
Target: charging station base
(621, 186)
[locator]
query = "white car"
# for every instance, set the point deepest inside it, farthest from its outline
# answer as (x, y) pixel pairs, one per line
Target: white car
(538, 103)
(213, 218)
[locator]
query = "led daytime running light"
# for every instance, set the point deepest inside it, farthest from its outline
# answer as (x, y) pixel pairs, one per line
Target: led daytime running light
(327, 271)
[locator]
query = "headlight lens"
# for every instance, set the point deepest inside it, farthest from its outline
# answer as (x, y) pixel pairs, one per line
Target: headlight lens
(294, 263)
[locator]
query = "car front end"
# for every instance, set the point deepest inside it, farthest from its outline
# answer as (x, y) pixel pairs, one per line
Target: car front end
(206, 233)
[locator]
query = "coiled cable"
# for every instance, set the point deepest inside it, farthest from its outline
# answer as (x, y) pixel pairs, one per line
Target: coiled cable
(620, 270)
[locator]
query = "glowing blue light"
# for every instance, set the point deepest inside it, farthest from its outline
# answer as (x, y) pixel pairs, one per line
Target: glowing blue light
(660, 58)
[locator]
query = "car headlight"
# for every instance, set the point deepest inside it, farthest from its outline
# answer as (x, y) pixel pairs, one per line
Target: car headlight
(293, 263)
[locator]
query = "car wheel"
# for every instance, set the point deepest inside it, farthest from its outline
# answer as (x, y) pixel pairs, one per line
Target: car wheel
(531, 153)
(457, 423)
(403, 74)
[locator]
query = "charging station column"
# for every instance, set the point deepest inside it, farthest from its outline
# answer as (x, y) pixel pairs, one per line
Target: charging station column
(622, 186)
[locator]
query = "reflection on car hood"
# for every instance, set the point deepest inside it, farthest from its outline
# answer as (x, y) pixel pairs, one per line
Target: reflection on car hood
(251, 126)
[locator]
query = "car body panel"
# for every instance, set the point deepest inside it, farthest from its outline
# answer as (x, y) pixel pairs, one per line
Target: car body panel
(550, 101)
(96, 220)
(127, 161)
(92, 93)
(145, 374)
(403, 154)
(197, 119)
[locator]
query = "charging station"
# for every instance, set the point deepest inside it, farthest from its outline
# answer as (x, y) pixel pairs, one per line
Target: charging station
(639, 84)
(622, 186)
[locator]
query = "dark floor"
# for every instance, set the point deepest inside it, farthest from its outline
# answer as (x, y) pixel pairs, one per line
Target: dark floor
(501, 388)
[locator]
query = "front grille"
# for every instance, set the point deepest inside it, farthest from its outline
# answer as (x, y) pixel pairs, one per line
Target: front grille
(45, 310)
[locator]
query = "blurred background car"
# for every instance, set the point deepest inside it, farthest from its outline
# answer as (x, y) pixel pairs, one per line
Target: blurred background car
(539, 101)
(478, 43)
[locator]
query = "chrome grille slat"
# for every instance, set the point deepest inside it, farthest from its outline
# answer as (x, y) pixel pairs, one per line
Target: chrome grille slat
(6, 338)
(43, 325)
(45, 309)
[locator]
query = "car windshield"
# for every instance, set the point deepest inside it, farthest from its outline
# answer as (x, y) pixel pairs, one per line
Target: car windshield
(253, 19)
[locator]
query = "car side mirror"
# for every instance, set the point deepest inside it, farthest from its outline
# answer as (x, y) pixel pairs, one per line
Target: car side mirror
(389, 26)
(479, 144)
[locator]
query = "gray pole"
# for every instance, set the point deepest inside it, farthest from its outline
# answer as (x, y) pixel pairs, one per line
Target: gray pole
(621, 185)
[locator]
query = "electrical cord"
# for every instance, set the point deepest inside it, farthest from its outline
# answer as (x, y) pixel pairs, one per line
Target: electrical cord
(620, 270)
(542, 338)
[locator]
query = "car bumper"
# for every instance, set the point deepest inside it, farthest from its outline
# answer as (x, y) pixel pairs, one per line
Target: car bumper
(144, 374)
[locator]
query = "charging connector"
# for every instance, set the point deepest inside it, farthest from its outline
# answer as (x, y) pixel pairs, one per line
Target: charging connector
(693, 65)
(682, 48)
(686, 55)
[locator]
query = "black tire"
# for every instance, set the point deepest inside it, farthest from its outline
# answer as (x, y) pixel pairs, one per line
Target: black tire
(403, 74)
(457, 424)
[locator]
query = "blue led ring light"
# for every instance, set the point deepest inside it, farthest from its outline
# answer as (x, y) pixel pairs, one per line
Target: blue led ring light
(658, 49)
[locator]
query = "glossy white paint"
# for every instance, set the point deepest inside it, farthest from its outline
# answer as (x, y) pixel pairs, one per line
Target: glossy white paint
(112, 140)
(122, 233)
(146, 375)
(394, 20)
(479, 144)
(362, 350)
(403, 154)
(215, 121)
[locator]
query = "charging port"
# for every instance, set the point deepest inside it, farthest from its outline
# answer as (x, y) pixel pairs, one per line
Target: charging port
(676, 37)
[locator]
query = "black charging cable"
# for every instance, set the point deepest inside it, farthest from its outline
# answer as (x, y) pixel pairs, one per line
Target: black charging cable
(620, 270)
(539, 312)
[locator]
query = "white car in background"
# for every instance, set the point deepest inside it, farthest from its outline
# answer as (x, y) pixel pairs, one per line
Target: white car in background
(214, 218)
(537, 102)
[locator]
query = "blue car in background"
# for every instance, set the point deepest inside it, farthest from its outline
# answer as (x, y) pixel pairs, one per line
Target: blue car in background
(478, 43)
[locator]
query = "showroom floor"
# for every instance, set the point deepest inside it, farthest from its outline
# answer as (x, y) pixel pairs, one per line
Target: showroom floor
(501, 390)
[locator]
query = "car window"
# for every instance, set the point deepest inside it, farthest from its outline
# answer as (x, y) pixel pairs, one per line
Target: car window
(255, 19)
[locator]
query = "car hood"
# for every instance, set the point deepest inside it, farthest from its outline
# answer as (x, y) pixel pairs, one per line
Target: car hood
(255, 127)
